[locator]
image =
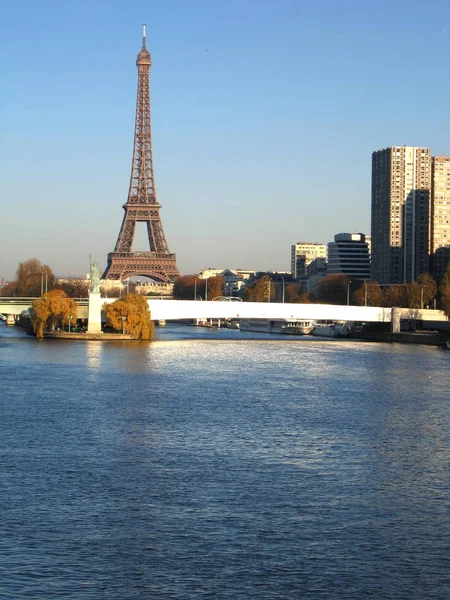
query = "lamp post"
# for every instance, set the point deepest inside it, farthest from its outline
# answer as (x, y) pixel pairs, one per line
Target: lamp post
(42, 283)
(365, 293)
(70, 318)
(46, 281)
(123, 325)
(283, 288)
(348, 292)
(195, 287)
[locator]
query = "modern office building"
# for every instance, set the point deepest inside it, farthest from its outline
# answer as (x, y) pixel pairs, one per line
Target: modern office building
(401, 194)
(440, 215)
(349, 255)
(307, 258)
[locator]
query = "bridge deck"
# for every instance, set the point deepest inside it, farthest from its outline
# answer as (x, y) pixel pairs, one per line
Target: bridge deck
(194, 309)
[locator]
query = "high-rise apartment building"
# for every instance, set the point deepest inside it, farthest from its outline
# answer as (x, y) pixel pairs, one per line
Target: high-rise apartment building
(440, 215)
(401, 193)
(349, 254)
(307, 258)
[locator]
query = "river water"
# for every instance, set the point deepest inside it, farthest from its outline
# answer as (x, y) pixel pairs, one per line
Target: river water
(218, 464)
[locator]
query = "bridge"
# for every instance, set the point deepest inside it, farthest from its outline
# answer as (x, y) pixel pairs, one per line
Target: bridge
(190, 309)
(12, 307)
(174, 310)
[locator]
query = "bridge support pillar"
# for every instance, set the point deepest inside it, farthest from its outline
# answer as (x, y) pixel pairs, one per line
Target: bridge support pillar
(395, 320)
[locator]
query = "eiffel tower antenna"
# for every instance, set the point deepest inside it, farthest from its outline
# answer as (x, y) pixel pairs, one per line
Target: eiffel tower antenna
(142, 205)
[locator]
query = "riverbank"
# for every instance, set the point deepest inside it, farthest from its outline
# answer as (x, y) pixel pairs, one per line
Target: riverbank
(407, 337)
(85, 337)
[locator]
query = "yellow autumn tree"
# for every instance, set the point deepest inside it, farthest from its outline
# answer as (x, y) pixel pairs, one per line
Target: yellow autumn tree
(130, 314)
(369, 291)
(52, 310)
(259, 290)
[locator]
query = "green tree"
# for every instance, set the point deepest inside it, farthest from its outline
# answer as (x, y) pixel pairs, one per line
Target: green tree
(259, 290)
(52, 310)
(444, 291)
(131, 314)
(32, 276)
(374, 294)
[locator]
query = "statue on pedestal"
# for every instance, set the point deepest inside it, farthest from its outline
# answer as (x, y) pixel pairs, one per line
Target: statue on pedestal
(95, 306)
(94, 273)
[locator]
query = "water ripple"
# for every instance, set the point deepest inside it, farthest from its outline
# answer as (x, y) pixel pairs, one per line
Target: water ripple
(196, 467)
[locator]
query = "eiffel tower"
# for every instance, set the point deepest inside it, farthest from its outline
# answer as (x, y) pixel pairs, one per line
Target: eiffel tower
(142, 205)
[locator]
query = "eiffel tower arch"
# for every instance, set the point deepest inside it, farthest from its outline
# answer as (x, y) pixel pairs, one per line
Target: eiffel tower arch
(142, 205)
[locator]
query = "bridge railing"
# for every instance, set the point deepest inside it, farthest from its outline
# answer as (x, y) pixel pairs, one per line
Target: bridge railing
(29, 299)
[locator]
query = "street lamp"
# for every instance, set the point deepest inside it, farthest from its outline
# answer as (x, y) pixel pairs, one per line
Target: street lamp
(123, 325)
(70, 318)
(283, 288)
(348, 292)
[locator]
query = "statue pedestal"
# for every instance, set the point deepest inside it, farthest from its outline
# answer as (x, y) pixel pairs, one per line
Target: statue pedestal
(95, 313)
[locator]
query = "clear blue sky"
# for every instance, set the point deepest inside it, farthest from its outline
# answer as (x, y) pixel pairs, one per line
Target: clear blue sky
(265, 114)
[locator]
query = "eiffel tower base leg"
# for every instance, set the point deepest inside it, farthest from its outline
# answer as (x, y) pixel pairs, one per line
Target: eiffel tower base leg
(159, 266)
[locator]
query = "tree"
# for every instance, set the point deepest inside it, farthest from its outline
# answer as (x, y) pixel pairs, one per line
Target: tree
(9, 289)
(417, 294)
(444, 291)
(395, 295)
(51, 311)
(259, 290)
(32, 277)
(215, 286)
(413, 295)
(294, 294)
(374, 294)
(74, 287)
(428, 284)
(132, 315)
(188, 286)
(333, 289)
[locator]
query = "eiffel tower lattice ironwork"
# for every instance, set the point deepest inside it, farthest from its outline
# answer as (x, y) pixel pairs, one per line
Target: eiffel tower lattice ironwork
(142, 205)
